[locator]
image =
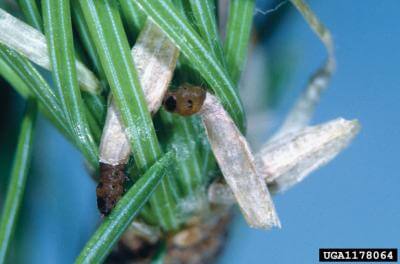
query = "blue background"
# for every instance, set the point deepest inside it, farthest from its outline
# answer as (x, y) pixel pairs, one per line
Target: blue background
(354, 200)
(351, 202)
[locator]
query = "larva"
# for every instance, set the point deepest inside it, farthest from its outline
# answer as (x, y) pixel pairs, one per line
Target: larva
(186, 100)
(110, 187)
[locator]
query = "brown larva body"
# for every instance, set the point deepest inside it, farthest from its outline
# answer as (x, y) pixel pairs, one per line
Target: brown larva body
(186, 100)
(111, 186)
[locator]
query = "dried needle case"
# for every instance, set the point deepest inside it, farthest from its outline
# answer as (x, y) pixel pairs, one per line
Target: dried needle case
(237, 165)
(288, 160)
(155, 59)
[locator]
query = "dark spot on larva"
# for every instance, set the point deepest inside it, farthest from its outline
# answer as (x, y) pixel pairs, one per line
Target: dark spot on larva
(170, 103)
(190, 103)
(101, 204)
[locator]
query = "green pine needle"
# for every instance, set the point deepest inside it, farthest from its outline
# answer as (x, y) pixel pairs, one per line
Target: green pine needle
(19, 173)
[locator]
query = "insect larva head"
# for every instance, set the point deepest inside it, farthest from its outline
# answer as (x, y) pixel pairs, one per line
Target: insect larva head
(105, 205)
(186, 100)
(110, 188)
